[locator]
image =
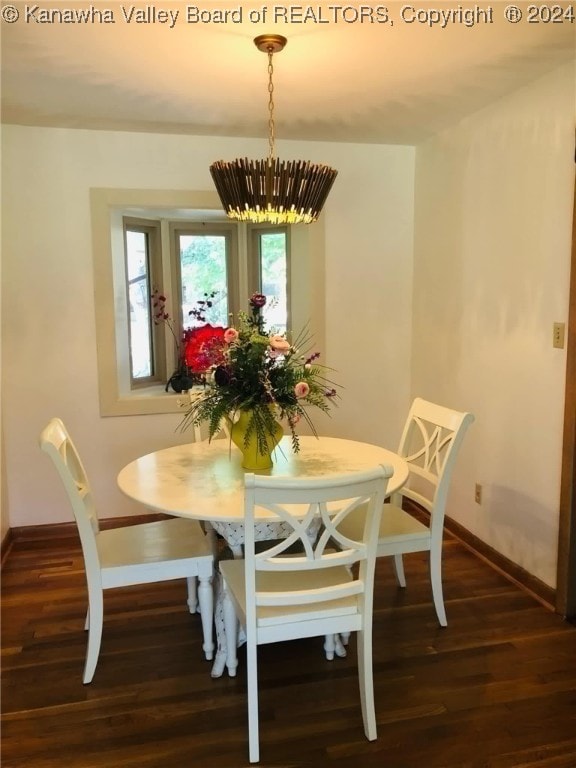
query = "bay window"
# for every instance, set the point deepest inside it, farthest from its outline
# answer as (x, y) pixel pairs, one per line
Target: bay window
(181, 244)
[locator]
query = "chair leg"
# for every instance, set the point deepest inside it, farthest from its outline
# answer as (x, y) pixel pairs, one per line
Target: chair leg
(399, 568)
(231, 632)
(366, 683)
(95, 620)
(206, 602)
(252, 679)
(436, 580)
(192, 585)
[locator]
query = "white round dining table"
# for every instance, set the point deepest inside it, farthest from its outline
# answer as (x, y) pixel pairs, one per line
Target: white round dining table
(205, 480)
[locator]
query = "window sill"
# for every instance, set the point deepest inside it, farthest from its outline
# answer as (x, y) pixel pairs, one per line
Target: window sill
(148, 400)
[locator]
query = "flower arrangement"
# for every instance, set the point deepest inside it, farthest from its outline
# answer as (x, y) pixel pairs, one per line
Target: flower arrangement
(259, 373)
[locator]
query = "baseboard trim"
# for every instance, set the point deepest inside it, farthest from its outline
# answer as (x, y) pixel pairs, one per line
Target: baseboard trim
(69, 530)
(510, 570)
(542, 592)
(6, 545)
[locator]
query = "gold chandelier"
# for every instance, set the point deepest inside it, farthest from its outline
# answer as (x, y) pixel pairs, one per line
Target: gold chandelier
(271, 190)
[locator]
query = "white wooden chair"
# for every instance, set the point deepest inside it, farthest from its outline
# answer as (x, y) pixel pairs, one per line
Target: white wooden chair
(430, 443)
(278, 594)
(134, 554)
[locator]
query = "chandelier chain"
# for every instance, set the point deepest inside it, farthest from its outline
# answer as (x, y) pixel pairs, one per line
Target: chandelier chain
(270, 105)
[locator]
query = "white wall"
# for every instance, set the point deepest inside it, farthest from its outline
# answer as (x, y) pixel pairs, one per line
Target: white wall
(369, 291)
(491, 267)
(48, 326)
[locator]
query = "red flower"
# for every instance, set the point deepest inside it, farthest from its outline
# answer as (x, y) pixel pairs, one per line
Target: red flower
(204, 348)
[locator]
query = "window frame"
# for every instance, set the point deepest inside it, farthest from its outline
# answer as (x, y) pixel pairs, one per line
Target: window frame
(151, 228)
(255, 232)
(227, 229)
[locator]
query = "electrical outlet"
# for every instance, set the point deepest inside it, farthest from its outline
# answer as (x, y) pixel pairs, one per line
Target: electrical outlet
(558, 336)
(478, 493)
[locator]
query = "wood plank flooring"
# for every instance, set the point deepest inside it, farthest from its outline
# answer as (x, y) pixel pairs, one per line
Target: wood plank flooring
(495, 689)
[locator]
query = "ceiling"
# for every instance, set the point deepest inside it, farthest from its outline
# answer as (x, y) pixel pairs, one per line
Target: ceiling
(340, 78)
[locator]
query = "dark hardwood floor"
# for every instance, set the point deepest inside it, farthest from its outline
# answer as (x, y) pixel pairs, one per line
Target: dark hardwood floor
(496, 688)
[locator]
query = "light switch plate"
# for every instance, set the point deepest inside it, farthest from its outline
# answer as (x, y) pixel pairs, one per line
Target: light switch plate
(558, 336)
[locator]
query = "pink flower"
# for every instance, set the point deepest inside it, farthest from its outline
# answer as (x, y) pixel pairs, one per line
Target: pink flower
(301, 389)
(230, 335)
(279, 343)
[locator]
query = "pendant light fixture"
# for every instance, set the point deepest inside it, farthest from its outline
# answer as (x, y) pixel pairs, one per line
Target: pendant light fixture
(271, 190)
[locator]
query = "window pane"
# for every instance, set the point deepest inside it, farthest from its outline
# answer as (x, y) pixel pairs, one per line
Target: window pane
(273, 277)
(204, 270)
(137, 268)
(136, 254)
(140, 333)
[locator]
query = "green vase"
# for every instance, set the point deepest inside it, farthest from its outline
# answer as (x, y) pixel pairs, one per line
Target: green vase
(252, 457)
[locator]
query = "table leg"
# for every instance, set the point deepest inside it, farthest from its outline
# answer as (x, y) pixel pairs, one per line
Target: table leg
(221, 647)
(206, 603)
(231, 632)
(220, 622)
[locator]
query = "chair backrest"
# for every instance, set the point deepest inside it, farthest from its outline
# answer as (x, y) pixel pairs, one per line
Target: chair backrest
(200, 430)
(57, 443)
(430, 442)
(299, 503)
